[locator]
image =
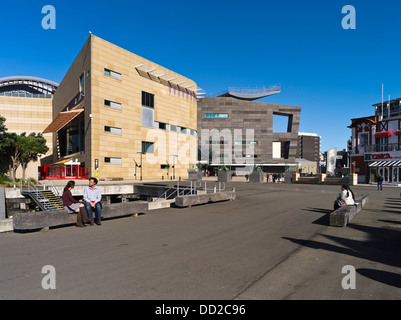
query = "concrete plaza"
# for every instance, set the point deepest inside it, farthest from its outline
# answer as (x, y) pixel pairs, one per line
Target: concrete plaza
(273, 242)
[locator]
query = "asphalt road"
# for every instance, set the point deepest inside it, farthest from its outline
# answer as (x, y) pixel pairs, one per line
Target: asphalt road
(273, 242)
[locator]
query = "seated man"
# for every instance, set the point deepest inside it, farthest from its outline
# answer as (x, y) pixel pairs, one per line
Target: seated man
(92, 198)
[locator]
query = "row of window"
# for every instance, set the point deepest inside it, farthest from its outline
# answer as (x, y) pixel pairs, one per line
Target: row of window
(147, 147)
(119, 161)
(237, 143)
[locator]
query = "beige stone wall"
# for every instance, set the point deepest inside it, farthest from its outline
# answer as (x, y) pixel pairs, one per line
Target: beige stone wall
(99, 54)
(28, 115)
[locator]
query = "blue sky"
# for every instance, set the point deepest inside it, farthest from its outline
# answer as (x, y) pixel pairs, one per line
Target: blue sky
(333, 74)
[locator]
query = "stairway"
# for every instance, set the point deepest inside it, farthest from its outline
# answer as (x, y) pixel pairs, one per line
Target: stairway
(46, 200)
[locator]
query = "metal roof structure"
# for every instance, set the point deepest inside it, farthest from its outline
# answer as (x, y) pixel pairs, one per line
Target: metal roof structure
(26, 86)
(250, 94)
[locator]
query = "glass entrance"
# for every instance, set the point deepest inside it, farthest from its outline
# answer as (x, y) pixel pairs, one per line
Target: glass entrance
(384, 172)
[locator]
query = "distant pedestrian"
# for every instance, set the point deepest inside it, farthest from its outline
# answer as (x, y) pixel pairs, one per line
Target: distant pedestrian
(380, 182)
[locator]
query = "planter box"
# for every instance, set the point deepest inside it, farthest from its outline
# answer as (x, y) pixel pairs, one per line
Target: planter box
(195, 176)
(256, 176)
(224, 176)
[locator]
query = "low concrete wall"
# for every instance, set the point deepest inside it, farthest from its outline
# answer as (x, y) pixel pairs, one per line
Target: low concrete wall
(3, 210)
(342, 216)
(47, 219)
(322, 179)
(6, 225)
(192, 200)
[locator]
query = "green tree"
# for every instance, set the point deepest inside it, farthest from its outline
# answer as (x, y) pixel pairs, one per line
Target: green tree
(5, 147)
(32, 147)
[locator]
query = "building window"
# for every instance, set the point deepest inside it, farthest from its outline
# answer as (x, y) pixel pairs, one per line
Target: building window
(82, 84)
(148, 99)
(72, 139)
(164, 167)
(285, 149)
(363, 139)
(113, 130)
(162, 126)
(276, 150)
(111, 104)
(217, 115)
(246, 143)
(148, 117)
(112, 74)
(112, 160)
(147, 147)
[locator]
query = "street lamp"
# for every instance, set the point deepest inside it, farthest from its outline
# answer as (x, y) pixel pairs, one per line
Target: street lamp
(140, 166)
(174, 156)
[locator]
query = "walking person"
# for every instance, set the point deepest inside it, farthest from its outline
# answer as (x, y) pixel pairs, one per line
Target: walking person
(380, 182)
(92, 201)
(74, 206)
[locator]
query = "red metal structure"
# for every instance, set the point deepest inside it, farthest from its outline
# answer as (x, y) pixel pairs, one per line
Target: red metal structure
(63, 172)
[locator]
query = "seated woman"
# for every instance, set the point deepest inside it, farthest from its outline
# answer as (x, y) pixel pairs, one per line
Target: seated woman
(345, 198)
(73, 206)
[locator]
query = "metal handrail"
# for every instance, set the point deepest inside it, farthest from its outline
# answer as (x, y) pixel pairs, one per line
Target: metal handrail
(31, 188)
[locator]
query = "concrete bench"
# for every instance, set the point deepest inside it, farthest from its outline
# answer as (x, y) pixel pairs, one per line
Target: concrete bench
(192, 200)
(43, 220)
(342, 216)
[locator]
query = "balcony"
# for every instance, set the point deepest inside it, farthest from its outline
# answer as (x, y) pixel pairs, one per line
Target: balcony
(382, 147)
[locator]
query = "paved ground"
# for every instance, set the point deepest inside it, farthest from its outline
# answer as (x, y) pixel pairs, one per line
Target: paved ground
(273, 242)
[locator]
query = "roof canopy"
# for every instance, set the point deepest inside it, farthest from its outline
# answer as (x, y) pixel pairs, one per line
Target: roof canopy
(62, 120)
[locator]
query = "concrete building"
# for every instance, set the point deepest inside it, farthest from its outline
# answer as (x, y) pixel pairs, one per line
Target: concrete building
(309, 149)
(236, 131)
(124, 117)
(26, 103)
(362, 136)
(375, 144)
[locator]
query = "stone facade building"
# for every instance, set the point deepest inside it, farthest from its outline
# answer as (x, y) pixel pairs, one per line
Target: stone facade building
(237, 132)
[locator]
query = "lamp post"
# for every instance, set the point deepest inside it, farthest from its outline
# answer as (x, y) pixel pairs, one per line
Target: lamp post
(174, 156)
(140, 166)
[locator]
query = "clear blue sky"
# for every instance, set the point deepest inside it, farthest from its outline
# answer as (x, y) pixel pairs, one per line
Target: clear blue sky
(332, 73)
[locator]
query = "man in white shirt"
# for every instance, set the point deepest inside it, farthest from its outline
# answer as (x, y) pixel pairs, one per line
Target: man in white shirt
(92, 201)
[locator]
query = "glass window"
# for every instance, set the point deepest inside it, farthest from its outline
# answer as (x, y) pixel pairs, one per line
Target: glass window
(148, 99)
(111, 104)
(82, 84)
(147, 147)
(148, 117)
(112, 74)
(216, 115)
(113, 130)
(112, 160)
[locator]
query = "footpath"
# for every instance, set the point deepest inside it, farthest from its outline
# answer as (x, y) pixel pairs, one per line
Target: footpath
(360, 261)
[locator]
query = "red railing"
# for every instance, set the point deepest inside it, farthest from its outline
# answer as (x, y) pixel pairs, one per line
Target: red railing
(63, 172)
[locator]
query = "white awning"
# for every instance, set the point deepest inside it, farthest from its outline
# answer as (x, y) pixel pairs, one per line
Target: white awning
(388, 163)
